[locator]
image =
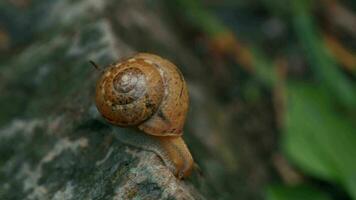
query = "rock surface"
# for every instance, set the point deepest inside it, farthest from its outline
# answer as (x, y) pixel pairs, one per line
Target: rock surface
(53, 144)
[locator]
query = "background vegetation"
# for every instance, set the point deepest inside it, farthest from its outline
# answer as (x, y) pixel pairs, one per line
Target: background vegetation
(300, 54)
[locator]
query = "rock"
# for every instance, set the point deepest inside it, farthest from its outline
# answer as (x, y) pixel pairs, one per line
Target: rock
(52, 143)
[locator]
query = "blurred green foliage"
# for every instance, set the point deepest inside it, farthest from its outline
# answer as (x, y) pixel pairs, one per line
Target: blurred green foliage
(319, 140)
(323, 65)
(295, 193)
(318, 133)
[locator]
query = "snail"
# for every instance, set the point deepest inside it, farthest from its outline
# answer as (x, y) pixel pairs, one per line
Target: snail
(148, 93)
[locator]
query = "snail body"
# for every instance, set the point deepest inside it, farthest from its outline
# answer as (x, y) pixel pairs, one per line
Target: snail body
(148, 92)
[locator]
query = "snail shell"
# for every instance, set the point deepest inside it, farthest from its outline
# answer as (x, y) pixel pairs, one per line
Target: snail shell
(146, 91)
(149, 92)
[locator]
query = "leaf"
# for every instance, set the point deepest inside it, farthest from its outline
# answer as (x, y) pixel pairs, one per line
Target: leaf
(295, 193)
(318, 139)
(320, 59)
(351, 185)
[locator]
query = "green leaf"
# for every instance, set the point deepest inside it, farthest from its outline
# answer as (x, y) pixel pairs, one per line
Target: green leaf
(318, 139)
(295, 193)
(321, 62)
(351, 185)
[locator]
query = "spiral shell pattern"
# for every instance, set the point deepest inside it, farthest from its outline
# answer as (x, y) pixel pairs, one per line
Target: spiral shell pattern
(126, 95)
(145, 90)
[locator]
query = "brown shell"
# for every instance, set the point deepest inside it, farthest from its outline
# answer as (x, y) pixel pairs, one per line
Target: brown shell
(146, 91)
